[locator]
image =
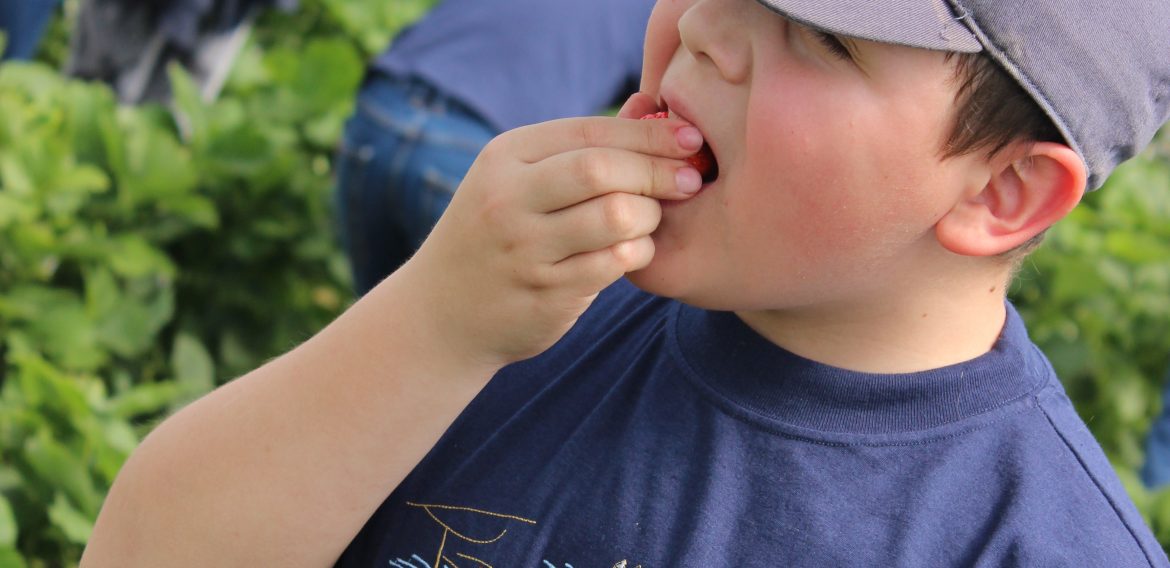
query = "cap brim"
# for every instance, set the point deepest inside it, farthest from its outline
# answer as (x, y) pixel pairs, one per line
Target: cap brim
(927, 24)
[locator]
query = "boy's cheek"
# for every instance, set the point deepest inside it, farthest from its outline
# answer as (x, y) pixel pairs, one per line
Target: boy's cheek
(662, 40)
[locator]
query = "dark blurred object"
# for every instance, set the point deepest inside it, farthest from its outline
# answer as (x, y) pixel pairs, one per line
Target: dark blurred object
(129, 43)
(24, 22)
(1155, 471)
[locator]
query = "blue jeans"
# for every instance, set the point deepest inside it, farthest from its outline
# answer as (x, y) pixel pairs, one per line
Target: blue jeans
(403, 153)
(1156, 470)
(24, 21)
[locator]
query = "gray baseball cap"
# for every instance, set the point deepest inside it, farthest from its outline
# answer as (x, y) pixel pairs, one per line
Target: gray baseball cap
(1100, 69)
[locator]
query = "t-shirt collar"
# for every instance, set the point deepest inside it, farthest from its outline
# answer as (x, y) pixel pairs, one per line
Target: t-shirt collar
(743, 367)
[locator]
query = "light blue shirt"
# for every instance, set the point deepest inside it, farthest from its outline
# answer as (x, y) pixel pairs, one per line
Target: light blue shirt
(519, 62)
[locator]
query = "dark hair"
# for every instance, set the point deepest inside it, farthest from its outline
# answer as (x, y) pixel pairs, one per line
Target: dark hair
(992, 111)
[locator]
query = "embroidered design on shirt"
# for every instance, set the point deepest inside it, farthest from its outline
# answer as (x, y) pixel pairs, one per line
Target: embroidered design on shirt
(441, 559)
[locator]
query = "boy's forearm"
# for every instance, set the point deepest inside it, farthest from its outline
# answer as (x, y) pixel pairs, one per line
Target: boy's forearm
(285, 464)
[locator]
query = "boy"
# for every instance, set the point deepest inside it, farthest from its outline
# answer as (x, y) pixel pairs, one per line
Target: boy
(841, 384)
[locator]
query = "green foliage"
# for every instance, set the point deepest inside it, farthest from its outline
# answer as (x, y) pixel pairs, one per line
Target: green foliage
(151, 253)
(87, 289)
(1096, 298)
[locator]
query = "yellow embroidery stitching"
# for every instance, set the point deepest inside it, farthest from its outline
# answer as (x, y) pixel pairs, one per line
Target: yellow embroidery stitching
(463, 536)
(470, 510)
(442, 544)
(473, 559)
(448, 530)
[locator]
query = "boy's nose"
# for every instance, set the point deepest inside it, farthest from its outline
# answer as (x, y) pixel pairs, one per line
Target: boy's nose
(717, 31)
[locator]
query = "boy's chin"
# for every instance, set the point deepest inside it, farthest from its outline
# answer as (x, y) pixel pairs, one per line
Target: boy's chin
(647, 280)
(654, 279)
(679, 283)
(689, 294)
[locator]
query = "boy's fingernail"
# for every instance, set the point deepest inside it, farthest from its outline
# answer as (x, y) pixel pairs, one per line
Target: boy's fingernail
(688, 180)
(689, 138)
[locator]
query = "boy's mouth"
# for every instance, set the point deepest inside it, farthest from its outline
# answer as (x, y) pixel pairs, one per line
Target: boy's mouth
(703, 160)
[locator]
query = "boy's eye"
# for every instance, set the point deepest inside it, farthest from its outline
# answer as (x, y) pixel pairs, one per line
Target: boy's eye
(833, 44)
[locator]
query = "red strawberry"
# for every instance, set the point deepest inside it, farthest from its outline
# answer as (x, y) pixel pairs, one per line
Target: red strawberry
(704, 160)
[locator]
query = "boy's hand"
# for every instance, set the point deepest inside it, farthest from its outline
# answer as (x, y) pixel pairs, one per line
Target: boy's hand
(547, 217)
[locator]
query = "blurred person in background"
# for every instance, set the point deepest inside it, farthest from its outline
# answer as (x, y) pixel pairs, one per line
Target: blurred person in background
(129, 44)
(23, 23)
(465, 72)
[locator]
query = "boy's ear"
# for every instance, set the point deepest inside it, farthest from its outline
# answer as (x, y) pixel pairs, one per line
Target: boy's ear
(1023, 197)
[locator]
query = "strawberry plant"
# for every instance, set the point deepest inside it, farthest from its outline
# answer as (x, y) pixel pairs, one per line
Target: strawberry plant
(152, 253)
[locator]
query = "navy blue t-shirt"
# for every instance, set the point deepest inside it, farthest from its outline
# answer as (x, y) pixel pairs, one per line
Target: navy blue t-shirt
(660, 435)
(526, 61)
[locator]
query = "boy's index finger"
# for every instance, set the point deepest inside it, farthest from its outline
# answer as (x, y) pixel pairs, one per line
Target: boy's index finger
(577, 176)
(669, 138)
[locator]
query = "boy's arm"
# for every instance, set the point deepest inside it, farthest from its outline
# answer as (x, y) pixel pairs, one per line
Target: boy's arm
(284, 465)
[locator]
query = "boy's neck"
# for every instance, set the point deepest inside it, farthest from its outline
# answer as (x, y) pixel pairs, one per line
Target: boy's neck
(910, 332)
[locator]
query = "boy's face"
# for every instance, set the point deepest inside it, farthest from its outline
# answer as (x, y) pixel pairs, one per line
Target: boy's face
(830, 172)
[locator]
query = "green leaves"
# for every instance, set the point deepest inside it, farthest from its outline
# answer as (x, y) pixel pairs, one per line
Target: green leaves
(150, 253)
(56, 320)
(10, 558)
(75, 525)
(193, 366)
(9, 531)
(326, 77)
(373, 22)
(7, 525)
(147, 161)
(61, 443)
(60, 468)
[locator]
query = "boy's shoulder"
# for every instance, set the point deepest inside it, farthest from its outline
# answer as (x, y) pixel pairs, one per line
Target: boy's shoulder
(1085, 466)
(1069, 494)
